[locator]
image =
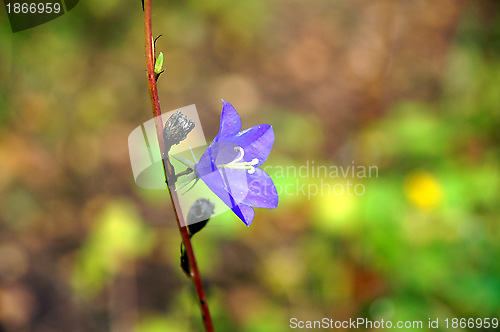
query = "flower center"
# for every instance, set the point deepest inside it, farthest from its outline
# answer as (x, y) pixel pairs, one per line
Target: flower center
(238, 164)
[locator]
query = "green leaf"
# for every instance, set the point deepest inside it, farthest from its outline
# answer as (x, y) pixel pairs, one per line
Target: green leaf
(159, 64)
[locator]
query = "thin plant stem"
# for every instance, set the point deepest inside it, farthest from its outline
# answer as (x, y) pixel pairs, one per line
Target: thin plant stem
(169, 170)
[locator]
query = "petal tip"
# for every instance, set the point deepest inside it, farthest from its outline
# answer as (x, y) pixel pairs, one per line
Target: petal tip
(274, 206)
(275, 201)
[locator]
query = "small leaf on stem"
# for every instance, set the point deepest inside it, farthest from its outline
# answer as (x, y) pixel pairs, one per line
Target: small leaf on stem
(159, 64)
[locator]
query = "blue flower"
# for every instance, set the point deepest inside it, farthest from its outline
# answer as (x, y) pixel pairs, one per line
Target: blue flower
(229, 166)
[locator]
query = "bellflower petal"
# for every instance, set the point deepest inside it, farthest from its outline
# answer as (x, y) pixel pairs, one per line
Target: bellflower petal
(224, 192)
(229, 166)
(262, 193)
(257, 142)
(230, 122)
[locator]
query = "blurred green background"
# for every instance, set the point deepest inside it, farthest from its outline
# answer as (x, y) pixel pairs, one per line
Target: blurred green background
(411, 87)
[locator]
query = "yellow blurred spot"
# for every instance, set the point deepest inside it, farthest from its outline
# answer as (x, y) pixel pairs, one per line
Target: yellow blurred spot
(284, 270)
(423, 190)
(117, 238)
(335, 210)
(335, 207)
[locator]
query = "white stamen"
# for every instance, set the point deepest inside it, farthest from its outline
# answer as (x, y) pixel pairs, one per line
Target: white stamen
(236, 164)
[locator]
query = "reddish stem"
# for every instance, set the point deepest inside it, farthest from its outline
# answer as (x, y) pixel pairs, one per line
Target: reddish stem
(169, 170)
